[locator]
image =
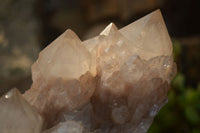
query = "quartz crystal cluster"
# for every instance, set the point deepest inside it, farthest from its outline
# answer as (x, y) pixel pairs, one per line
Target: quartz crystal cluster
(113, 83)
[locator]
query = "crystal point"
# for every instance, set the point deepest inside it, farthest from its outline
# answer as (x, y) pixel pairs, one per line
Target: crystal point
(150, 35)
(110, 29)
(17, 116)
(62, 79)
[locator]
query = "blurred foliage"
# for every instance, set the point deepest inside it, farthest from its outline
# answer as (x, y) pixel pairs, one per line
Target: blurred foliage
(182, 112)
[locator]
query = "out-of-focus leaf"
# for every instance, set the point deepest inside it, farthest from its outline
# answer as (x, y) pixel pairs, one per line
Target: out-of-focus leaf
(177, 48)
(179, 82)
(192, 96)
(196, 130)
(192, 115)
(154, 128)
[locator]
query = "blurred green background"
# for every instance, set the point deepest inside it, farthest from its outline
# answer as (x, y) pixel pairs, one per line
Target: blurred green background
(182, 112)
(27, 26)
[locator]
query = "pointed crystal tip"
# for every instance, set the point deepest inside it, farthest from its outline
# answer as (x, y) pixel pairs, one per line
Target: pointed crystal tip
(18, 115)
(110, 29)
(70, 34)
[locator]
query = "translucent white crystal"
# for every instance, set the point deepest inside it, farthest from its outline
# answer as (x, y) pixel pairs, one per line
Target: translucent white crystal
(17, 116)
(149, 34)
(62, 79)
(74, 59)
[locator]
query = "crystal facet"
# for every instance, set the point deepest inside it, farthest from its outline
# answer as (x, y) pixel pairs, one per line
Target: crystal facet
(149, 34)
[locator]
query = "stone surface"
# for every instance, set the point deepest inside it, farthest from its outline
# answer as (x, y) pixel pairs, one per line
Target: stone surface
(113, 83)
(17, 116)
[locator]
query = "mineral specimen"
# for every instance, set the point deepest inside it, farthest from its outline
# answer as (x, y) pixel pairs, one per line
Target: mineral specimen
(113, 83)
(17, 116)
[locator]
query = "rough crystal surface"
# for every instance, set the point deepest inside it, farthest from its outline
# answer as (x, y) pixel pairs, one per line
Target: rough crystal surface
(66, 127)
(17, 116)
(113, 83)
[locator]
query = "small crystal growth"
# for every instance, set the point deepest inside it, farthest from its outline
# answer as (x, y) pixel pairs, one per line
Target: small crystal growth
(17, 116)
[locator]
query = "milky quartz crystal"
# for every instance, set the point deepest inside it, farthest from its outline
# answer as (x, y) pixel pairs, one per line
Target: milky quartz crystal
(17, 115)
(113, 83)
(62, 78)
